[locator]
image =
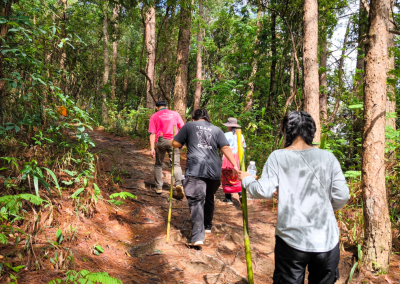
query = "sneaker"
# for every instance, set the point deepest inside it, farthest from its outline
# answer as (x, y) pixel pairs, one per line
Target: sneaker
(196, 244)
(179, 192)
(158, 190)
(228, 201)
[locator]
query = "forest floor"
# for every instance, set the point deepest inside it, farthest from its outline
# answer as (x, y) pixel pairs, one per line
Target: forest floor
(133, 235)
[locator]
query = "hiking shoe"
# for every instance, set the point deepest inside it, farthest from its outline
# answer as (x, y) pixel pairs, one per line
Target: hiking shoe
(179, 192)
(158, 190)
(196, 244)
(229, 201)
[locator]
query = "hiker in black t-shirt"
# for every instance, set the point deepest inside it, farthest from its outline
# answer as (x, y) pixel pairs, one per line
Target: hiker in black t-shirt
(203, 169)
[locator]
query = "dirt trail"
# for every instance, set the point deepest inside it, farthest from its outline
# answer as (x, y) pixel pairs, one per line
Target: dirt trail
(135, 234)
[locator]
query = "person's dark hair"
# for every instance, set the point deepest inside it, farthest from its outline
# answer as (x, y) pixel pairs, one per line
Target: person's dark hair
(234, 130)
(299, 123)
(161, 103)
(201, 113)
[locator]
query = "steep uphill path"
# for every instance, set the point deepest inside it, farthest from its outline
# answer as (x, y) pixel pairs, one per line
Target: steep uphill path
(136, 233)
(133, 235)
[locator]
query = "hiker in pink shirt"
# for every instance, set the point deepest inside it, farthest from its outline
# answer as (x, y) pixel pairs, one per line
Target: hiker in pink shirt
(161, 132)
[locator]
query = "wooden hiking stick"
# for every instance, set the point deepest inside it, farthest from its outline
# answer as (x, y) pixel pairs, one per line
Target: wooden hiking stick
(244, 209)
(171, 190)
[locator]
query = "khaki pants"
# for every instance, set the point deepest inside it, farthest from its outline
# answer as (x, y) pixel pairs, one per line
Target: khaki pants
(163, 147)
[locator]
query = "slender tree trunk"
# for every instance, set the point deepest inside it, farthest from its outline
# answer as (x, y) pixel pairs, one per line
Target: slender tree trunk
(106, 73)
(274, 59)
(249, 95)
(292, 73)
(362, 30)
(199, 69)
(63, 60)
(323, 96)
(391, 95)
(378, 236)
(150, 30)
(5, 12)
(114, 54)
(310, 63)
(181, 78)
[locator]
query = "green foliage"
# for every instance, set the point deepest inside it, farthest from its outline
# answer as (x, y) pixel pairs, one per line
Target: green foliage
(122, 195)
(87, 277)
(11, 205)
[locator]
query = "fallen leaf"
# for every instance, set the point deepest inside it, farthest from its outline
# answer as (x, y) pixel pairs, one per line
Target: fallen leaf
(388, 279)
(127, 253)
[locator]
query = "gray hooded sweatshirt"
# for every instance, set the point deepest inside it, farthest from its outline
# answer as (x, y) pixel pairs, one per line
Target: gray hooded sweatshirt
(311, 186)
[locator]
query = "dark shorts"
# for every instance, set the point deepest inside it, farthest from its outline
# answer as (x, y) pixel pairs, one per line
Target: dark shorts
(290, 265)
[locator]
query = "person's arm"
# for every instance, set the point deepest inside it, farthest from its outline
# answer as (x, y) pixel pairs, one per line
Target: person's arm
(152, 131)
(340, 191)
(266, 185)
(180, 139)
(152, 145)
(175, 144)
(227, 151)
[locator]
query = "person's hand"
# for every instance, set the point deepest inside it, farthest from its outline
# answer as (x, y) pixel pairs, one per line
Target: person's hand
(242, 175)
(235, 171)
(152, 153)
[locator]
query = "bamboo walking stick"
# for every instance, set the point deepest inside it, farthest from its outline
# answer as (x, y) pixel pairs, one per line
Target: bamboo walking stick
(245, 215)
(171, 190)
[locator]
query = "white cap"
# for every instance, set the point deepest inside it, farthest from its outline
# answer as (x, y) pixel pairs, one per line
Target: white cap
(252, 163)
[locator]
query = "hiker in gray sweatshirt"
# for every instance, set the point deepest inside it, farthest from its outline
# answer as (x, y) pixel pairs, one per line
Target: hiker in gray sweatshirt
(311, 187)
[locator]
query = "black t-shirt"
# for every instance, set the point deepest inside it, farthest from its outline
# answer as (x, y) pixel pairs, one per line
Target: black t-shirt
(202, 140)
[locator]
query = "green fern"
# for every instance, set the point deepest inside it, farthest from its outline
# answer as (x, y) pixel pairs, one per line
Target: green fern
(122, 195)
(87, 277)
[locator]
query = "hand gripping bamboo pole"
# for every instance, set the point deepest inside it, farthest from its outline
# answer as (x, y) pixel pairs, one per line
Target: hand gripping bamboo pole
(245, 215)
(171, 191)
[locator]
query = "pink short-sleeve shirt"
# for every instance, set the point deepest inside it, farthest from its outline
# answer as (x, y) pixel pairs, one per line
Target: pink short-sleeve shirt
(163, 122)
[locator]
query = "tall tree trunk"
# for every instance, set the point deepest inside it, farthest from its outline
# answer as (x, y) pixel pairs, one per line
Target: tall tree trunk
(106, 73)
(114, 54)
(181, 78)
(150, 30)
(249, 95)
(274, 59)
(310, 63)
(5, 12)
(199, 68)
(323, 96)
(391, 95)
(378, 236)
(362, 30)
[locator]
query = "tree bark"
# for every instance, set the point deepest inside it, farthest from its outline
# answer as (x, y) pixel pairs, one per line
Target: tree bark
(310, 63)
(106, 73)
(150, 31)
(391, 95)
(323, 96)
(378, 237)
(114, 54)
(199, 68)
(181, 78)
(5, 12)
(274, 59)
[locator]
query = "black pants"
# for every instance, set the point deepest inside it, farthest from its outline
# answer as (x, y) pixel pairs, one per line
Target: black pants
(228, 196)
(290, 265)
(200, 195)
